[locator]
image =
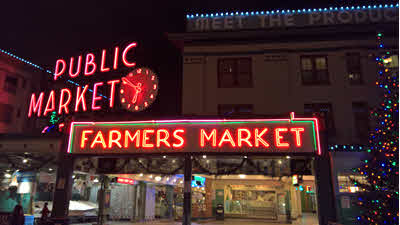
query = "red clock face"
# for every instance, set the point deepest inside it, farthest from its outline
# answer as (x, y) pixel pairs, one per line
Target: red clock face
(138, 89)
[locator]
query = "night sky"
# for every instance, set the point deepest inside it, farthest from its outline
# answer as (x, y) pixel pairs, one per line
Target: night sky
(43, 31)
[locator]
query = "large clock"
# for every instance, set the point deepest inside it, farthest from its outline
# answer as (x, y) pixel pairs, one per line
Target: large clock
(138, 89)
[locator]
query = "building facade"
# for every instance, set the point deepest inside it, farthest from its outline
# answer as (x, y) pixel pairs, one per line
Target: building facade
(317, 62)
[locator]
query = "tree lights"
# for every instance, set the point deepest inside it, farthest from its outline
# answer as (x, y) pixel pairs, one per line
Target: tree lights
(379, 199)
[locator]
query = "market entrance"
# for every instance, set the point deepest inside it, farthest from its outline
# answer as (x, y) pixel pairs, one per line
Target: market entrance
(243, 163)
(244, 187)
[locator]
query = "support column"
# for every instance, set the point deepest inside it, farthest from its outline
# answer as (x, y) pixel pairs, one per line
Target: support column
(104, 201)
(141, 207)
(170, 199)
(133, 219)
(63, 189)
(326, 199)
(187, 188)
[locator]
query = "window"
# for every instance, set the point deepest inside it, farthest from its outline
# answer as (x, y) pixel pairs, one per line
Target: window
(353, 64)
(23, 82)
(11, 84)
(243, 109)
(314, 70)
(18, 113)
(324, 112)
(5, 113)
(234, 73)
(392, 61)
(346, 183)
(361, 121)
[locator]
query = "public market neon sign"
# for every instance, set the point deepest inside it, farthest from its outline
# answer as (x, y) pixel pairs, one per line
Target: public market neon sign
(294, 135)
(141, 83)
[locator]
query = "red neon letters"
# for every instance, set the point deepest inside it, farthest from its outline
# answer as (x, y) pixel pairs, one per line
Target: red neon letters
(65, 97)
(162, 138)
(245, 137)
(90, 66)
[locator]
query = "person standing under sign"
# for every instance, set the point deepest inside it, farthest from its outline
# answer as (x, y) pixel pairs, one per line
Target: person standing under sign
(45, 214)
(17, 217)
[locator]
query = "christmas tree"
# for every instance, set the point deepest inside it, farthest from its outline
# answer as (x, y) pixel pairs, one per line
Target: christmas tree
(379, 196)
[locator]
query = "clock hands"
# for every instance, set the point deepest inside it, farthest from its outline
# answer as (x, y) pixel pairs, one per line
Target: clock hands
(138, 88)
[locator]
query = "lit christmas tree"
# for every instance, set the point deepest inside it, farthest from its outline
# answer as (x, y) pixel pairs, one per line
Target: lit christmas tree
(379, 198)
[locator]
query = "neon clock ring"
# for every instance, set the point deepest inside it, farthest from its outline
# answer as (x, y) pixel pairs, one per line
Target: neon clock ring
(138, 89)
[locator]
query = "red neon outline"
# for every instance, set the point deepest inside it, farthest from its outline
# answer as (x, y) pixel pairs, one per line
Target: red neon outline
(258, 138)
(103, 62)
(131, 138)
(51, 100)
(227, 133)
(115, 66)
(216, 121)
(240, 139)
(145, 138)
(297, 138)
(80, 97)
(37, 106)
(78, 70)
(83, 137)
(90, 62)
(112, 92)
(95, 97)
(180, 138)
(111, 140)
(212, 135)
(102, 141)
(164, 140)
(60, 126)
(128, 64)
(278, 137)
(56, 73)
(64, 105)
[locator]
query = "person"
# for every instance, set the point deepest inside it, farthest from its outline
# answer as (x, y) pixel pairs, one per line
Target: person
(45, 213)
(17, 217)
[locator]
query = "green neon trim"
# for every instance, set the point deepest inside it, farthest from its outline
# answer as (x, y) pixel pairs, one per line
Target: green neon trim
(182, 123)
(313, 131)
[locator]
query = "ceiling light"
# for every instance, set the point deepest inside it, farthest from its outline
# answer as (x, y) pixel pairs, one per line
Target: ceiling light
(96, 180)
(157, 178)
(141, 175)
(164, 156)
(280, 161)
(151, 176)
(241, 176)
(7, 175)
(288, 157)
(25, 160)
(204, 156)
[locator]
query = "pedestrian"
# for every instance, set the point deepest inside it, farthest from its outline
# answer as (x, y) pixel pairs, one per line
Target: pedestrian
(17, 217)
(45, 213)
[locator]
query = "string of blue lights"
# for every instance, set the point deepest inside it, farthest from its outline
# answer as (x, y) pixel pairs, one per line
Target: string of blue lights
(292, 11)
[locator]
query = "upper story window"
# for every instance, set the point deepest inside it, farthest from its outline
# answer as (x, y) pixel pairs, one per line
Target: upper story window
(391, 62)
(11, 84)
(353, 65)
(235, 73)
(361, 120)
(324, 113)
(241, 109)
(6, 113)
(314, 70)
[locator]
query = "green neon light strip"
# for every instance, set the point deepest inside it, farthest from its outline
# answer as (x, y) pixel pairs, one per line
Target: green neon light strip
(313, 131)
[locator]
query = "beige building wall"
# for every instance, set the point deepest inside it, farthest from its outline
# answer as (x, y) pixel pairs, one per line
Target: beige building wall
(276, 74)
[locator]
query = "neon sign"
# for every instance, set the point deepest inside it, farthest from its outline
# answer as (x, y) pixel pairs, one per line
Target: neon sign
(294, 135)
(122, 180)
(137, 90)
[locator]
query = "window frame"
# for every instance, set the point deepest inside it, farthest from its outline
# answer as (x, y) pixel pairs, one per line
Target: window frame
(314, 70)
(364, 138)
(235, 72)
(12, 89)
(349, 69)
